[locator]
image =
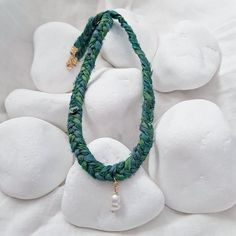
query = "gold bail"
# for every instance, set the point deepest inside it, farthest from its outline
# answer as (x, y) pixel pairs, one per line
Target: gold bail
(115, 185)
(72, 61)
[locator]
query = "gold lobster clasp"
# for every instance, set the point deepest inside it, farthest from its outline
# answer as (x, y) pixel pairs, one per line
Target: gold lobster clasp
(72, 61)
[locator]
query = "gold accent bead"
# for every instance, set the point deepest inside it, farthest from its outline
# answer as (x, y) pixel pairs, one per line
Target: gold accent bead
(73, 50)
(72, 61)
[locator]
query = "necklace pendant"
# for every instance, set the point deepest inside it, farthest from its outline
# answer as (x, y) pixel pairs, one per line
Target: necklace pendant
(115, 199)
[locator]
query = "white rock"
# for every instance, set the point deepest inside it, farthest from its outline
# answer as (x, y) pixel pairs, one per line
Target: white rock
(113, 106)
(52, 108)
(197, 166)
(116, 4)
(187, 58)
(35, 157)
(117, 49)
(87, 201)
(52, 44)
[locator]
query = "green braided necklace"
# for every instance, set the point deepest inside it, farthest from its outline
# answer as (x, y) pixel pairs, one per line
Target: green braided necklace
(89, 43)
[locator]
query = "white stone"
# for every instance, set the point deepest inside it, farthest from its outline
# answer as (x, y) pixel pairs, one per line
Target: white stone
(113, 104)
(35, 157)
(52, 108)
(196, 168)
(115, 4)
(52, 44)
(187, 58)
(87, 201)
(117, 49)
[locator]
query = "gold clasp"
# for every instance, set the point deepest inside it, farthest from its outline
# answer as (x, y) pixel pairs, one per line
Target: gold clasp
(72, 61)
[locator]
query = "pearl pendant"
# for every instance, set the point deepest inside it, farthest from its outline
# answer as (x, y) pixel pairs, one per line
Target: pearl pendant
(115, 199)
(115, 203)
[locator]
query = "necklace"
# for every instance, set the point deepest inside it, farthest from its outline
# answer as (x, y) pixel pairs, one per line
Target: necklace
(89, 44)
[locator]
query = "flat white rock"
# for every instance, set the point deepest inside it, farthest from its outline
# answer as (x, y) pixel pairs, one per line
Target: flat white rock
(87, 201)
(52, 108)
(116, 4)
(117, 49)
(52, 44)
(196, 168)
(187, 58)
(35, 157)
(113, 104)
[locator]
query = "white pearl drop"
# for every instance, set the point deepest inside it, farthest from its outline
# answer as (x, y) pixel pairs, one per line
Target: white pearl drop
(115, 198)
(115, 206)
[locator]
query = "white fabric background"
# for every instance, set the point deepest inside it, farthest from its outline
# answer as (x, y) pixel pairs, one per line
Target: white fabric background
(18, 20)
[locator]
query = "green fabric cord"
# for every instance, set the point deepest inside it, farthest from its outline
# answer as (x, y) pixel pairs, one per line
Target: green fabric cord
(89, 44)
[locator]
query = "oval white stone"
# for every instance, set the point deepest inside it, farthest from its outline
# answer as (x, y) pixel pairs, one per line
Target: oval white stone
(52, 108)
(113, 104)
(187, 58)
(196, 168)
(86, 198)
(35, 157)
(52, 44)
(117, 49)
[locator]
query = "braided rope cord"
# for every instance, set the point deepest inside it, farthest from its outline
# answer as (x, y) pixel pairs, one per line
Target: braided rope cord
(89, 43)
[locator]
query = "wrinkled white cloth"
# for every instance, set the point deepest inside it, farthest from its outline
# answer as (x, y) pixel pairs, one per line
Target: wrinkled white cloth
(18, 21)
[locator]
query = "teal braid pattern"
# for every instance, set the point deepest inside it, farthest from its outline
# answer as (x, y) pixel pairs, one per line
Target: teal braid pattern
(89, 44)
